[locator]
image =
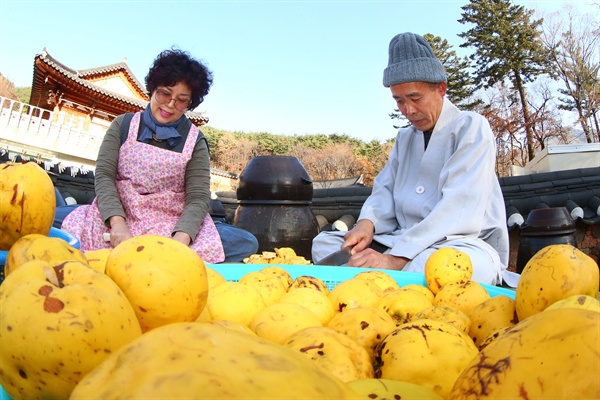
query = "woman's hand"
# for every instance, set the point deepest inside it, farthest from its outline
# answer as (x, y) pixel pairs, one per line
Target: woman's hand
(119, 231)
(183, 238)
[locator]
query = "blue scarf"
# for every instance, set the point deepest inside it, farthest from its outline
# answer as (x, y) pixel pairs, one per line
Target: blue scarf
(166, 132)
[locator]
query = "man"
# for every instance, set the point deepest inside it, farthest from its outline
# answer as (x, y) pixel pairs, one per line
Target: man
(438, 188)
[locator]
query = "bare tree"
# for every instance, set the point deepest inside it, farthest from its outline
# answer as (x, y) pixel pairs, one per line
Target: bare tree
(574, 44)
(502, 110)
(546, 119)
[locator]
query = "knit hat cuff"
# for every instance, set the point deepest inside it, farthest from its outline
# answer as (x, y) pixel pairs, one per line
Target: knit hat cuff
(414, 70)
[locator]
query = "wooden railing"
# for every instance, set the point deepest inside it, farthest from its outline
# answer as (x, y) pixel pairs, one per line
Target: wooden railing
(38, 131)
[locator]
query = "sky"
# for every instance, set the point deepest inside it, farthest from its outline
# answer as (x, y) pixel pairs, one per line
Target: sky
(281, 66)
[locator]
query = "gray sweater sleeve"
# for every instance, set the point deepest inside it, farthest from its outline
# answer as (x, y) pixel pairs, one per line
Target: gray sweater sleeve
(197, 191)
(197, 182)
(105, 174)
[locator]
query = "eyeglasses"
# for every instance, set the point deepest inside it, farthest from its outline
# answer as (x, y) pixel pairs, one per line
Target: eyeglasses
(164, 97)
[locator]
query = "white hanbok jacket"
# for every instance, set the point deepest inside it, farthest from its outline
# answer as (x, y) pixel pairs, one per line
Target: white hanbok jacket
(448, 192)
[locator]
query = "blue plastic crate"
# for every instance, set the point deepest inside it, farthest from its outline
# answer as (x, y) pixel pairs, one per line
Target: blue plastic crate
(331, 276)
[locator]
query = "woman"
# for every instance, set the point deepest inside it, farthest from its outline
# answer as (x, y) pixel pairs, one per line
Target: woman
(152, 173)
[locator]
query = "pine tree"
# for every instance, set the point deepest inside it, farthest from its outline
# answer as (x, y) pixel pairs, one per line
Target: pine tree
(460, 83)
(507, 47)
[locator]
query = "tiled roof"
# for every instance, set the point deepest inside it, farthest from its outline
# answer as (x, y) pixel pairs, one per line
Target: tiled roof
(79, 76)
(121, 66)
(74, 76)
(576, 189)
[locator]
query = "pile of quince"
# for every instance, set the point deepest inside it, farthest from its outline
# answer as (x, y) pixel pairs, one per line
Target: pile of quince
(149, 319)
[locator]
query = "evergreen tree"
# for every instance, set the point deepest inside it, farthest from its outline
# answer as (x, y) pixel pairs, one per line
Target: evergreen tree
(507, 46)
(460, 82)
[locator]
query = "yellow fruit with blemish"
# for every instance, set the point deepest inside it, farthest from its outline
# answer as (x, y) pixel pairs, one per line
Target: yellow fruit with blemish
(278, 321)
(36, 246)
(58, 321)
(555, 273)
(310, 282)
(402, 304)
(383, 389)
(163, 279)
(367, 326)
(577, 301)
(447, 265)
(380, 278)
(270, 286)
(450, 315)
(97, 258)
(491, 315)
(333, 351)
(426, 352)
(214, 277)
(27, 202)
(234, 301)
(353, 293)
(281, 273)
(423, 289)
(463, 295)
(192, 360)
(549, 355)
(316, 301)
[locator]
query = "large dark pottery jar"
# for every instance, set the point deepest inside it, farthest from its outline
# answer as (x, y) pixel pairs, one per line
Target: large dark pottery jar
(274, 195)
(544, 227)
(275, 178)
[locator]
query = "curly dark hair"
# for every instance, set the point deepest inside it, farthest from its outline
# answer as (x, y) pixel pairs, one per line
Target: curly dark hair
(173, 66)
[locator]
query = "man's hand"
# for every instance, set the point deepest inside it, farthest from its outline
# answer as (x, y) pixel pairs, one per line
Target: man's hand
(119, 231)
(369, 258)
(359, 237)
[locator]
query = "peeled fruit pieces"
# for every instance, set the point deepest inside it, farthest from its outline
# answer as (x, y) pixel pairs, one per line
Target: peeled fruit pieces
(36, 246)
(552, 354)
(192, 360)
(164, 280)
(447, 265)
(27, 202)
(58, 321)
(333, 351)
(554, 273)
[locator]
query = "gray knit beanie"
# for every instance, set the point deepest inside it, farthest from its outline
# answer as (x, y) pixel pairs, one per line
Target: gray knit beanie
(412, 60)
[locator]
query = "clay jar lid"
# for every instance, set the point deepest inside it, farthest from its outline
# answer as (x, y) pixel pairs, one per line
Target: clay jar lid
(548, 221)
(274, 178)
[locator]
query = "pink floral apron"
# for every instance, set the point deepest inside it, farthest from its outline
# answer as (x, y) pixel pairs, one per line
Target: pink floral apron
(151, 184)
